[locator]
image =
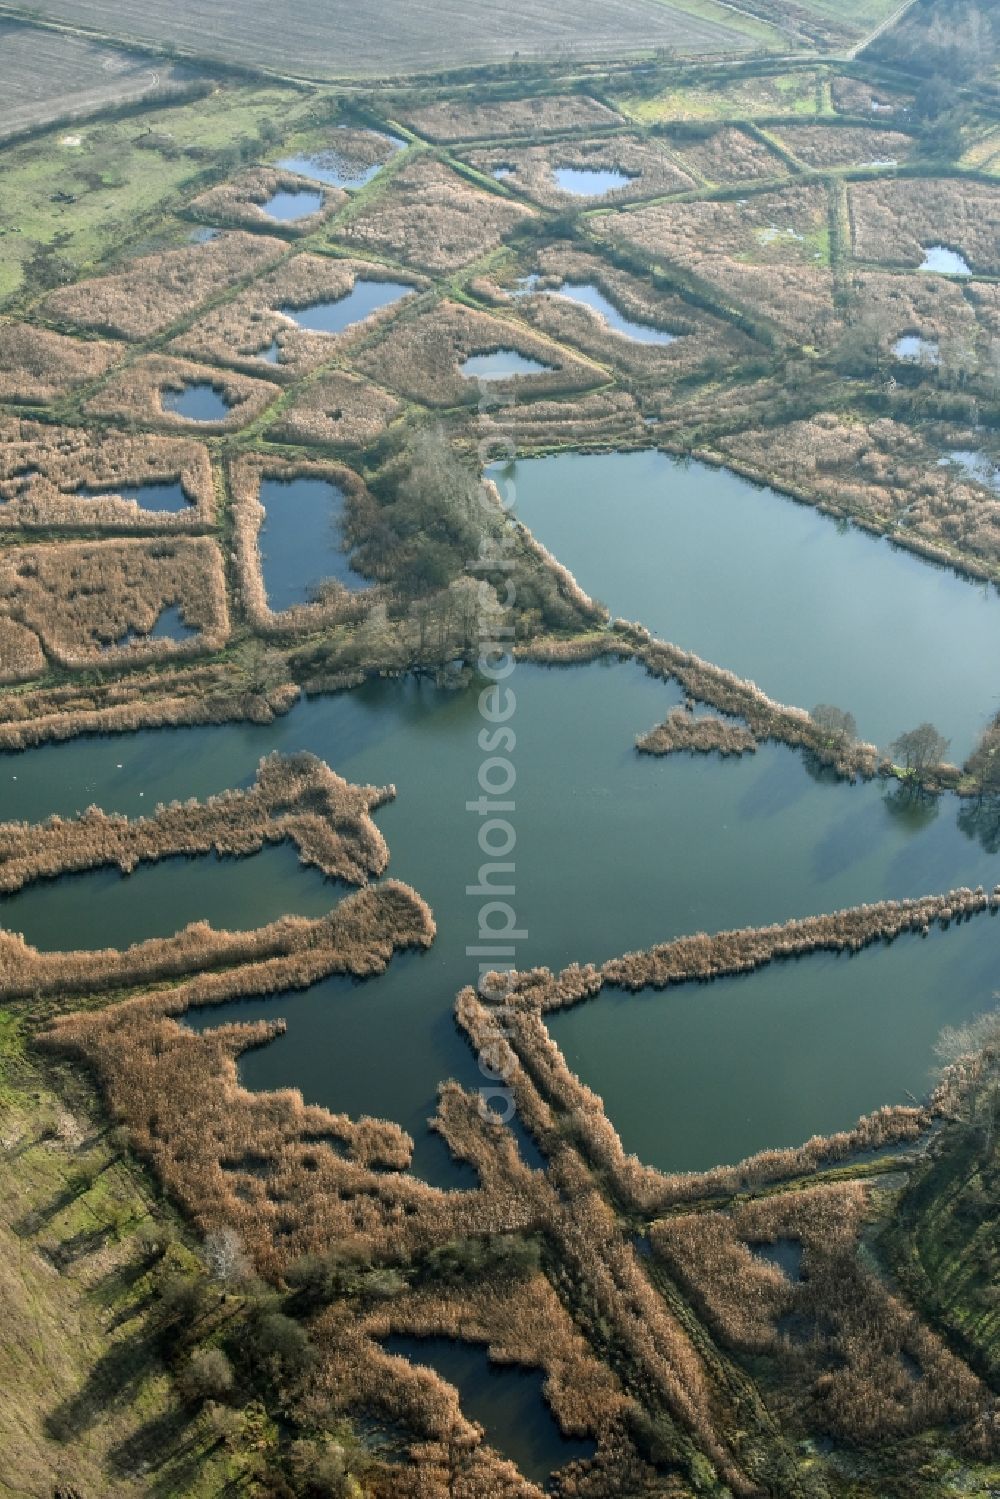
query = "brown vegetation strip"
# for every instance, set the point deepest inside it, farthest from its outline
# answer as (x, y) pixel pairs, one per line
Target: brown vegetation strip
(337, 409)
(451, 120)
(294, 797)
(650, 170)
(241, 200)
(135, 394)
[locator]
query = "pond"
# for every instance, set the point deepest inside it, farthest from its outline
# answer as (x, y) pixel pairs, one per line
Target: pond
(335, 167)
(198, 402)
(591, 182)
(301, 542)
(588, 295)
(360, 302)
(946, 262)
(979, 467)
(913, 349)
(502, 364)
(811, 609)
(160, 496)
(287, 207)
(505, 1399)
(615, 851)
(171, 625)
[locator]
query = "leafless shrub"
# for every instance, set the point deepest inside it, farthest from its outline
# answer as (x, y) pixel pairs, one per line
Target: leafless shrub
(705, 735)
(896, 221)
(723, 155)
(844, 145)
(337, 409)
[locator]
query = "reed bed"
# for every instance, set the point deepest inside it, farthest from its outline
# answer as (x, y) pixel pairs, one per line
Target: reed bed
(431, 218)
(845, 145)
(21, 654)
(241, 330)
(652, 172)
(594, 419)
(294, 797)
(291, 1179)
(857, 1361)
(420, 357)
(38, 366)
(42, 466)
(193, 695)
(961, 320)
(854, 96)
(136, 394)
(896, 221)
(152, 292)
(239, 203)
(701, 341)
(353, 147)
(723, 154)
(885, 476)
(337, 409)
(336, 604)
(95, 603)
(682, 731)
(768, 252)
(455, 120)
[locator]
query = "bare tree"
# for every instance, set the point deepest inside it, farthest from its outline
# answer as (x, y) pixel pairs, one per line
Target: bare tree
(919, 750)
(836, 725)
(225, 1256)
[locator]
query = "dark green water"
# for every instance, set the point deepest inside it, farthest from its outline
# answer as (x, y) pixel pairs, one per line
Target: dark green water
(614, 851)
(506, 1399)
(811, 611)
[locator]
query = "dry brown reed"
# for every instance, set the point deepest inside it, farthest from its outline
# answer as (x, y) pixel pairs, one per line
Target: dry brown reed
(339, 410)
(727, 154)
(294, 797)
(336, 603)
(856, 96)
(150, 293)
(430, 217)
(242, 330)
(38, 366)
(42, 467)
(420, 357)
(896, 221)
(240, 201)
(681, 730)
(764, 251)
(136, 394)
(21, 654)
(600, 418)
(531, 169)
(451, 120)
(90, 603)
(844, 145)
(858, 1362)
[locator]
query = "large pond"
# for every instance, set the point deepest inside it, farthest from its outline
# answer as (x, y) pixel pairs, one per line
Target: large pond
(301, 540)
(813, 610)
(614, 851)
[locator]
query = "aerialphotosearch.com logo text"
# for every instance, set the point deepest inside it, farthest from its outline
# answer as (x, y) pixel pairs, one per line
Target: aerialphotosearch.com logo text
(495, 804)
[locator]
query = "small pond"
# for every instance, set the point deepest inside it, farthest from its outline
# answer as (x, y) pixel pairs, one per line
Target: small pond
(161, 496)
(505, 1399)
(588, 295)
(976, 466)
(360, 302)
(287, 207)
(502, 364)
(301, 540)
(591, 182)
(198, 402)
(334, 167)
(913, 349)
(946, 262)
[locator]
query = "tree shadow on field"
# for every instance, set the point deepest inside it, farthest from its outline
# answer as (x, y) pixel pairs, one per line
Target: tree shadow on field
(113, 1381)
(172, 1438)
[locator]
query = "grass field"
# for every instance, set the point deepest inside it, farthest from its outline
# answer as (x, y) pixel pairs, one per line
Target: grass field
(70, 198)
(760, 94)
(337, 38)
